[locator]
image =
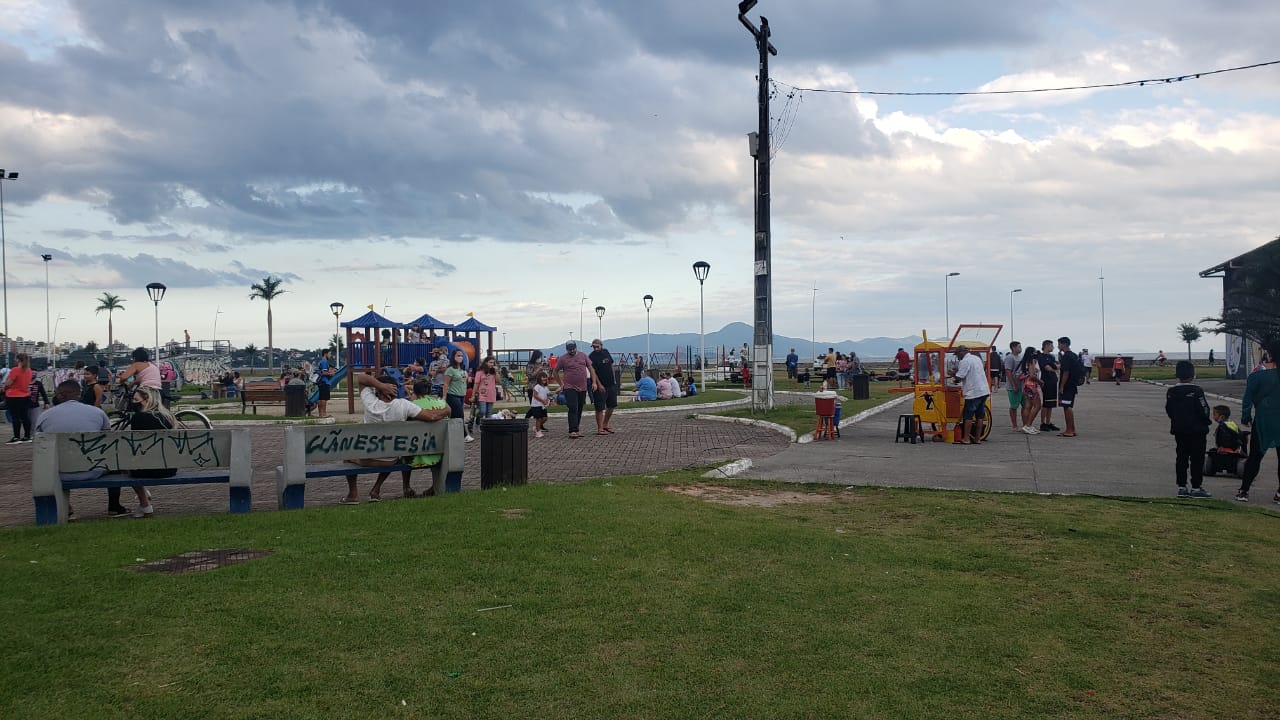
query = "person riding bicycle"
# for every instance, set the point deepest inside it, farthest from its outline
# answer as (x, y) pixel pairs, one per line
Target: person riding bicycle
(142, 371)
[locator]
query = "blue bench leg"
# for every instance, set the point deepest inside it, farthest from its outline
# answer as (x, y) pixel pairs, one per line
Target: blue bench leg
(240, 499)
(453, 482)
(294, 496)
(46, 510)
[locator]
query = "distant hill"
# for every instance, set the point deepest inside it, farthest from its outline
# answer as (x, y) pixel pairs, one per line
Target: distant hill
(733, 335)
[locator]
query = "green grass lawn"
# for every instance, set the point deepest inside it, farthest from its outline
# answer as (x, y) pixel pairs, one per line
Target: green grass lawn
(802, 418)
(620, 599)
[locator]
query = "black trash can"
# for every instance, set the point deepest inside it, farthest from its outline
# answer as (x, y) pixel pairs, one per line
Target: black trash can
(861, 385)
(295, 400)
(504, 453)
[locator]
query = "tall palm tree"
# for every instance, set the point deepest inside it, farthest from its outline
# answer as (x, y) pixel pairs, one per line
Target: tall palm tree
(268, 290)
(1189, 332)
(110, 303)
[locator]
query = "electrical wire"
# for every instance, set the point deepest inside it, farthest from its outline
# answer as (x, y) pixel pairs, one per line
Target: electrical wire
(1130, 83)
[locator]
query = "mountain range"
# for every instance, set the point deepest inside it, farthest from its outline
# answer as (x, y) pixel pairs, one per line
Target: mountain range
(733, 335)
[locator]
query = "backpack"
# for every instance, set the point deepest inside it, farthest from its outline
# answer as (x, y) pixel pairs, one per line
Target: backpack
(1082, 372)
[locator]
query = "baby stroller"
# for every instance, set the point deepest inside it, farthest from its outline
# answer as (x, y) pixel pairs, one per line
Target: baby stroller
(1227, 459)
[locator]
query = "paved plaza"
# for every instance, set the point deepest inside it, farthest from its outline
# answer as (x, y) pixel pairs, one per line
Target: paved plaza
(1124, 449)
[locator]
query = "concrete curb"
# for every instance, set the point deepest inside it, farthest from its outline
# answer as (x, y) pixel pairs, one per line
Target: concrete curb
(672, 408)
(846, 422)
(1208, 394)
(780, 429)
(730, 469)
(276, 421)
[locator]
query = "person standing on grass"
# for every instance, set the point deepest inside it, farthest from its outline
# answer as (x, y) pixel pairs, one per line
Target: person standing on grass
(605, 399)
(904, 361)
(1189, 422)
(1013, 385)
(793, 364)
(1071, 375)
(1049, 369)
(1261, 411)
(972, 374)
(575, 376)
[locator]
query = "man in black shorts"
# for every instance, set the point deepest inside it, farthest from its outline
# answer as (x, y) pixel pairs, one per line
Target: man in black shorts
(604, 399)
(1049, 375)
(1072, 372)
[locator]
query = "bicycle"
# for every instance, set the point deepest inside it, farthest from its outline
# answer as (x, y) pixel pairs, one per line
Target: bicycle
(120, 416)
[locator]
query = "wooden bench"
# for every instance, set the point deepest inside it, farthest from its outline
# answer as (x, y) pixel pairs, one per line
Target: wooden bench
(318, 451)
(200, 456)
(261, 393)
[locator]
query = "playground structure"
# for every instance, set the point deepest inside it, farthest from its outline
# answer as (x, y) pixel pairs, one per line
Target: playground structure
(375, 342)
(939, 404)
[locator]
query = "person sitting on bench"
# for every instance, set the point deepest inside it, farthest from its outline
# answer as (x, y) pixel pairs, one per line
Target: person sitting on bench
(378, 395)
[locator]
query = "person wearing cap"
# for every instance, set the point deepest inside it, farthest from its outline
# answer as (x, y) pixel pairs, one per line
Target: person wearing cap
(575, 375)
(972, 374)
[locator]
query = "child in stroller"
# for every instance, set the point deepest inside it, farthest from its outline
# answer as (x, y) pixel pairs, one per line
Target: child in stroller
(1231, 444)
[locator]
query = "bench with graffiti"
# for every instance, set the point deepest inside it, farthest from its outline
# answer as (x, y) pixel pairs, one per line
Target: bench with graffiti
(103, 459)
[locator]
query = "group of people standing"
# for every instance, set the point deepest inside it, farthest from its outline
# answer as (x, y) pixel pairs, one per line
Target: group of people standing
(1037, 381)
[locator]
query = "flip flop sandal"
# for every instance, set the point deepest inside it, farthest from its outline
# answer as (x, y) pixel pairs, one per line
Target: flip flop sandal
(348, 501)
(611, 431)
(375, 498)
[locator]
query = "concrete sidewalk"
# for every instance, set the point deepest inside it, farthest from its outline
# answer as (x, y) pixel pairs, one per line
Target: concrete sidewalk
(1123, 448)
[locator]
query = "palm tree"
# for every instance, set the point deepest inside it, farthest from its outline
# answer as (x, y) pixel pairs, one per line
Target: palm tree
(251, 353)
(268, 290)
(110, 303)
(1189, 332)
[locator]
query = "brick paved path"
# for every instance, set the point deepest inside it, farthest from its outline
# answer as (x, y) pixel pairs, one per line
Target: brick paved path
(647, 442)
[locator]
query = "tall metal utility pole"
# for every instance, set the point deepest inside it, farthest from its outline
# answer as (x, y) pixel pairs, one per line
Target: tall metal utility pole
(762, 356)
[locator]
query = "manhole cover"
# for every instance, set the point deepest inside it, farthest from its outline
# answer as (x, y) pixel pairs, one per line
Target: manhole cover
(200, 561)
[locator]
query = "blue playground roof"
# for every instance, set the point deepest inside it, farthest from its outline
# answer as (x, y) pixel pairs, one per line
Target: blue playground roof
(371, 319)
(473, 325)
(426, 322)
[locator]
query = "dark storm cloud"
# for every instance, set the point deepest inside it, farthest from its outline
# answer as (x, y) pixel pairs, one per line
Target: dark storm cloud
(440, 120)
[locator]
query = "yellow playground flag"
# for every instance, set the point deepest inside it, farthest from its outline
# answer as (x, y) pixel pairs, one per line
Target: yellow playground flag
(370, 306)
(471, 314)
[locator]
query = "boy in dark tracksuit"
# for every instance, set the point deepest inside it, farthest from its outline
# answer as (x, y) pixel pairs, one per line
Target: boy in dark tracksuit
(1188, 413)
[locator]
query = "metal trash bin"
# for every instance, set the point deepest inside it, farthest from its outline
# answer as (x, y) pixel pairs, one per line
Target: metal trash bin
(295, 400)
(504, 453)
(861, 386)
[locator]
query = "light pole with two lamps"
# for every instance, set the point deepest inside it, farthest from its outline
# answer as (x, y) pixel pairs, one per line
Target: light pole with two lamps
(700, 270)
(1011, 292)
(155, 291)
(947, 301)
(4, 267)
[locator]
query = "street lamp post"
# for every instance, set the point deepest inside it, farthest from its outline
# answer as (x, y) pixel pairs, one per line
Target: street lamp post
(55, 337)
(1102, 287)
(48, 341)
(216, 313)
(4, 267)
(813, 325)
(648, 305)
(155, 291)
(336, 309)
(947, 301)
(1011, 292)
(700, 270)
(600, 322)
(581, 305)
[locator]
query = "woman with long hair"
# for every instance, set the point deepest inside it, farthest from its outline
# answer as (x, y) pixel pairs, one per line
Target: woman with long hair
(151, 415)
(17, 398)
(535, 365)
(456, 387)
(1029, 375)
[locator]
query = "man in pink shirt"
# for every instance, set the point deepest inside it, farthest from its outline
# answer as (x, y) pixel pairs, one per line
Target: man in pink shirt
(575, 376)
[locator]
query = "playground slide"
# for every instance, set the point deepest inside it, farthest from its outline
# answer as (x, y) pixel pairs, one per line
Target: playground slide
(337, 377)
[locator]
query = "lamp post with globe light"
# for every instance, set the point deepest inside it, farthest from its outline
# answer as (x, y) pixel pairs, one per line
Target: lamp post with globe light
(700, 270)
(600, 322)
(155, 291)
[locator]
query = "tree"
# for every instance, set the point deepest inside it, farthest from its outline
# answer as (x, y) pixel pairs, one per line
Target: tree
(91, 347)
(269, 289)
(1252, 303)
(251, 354)
(335, 342)
(110, 303)
(1189, 332)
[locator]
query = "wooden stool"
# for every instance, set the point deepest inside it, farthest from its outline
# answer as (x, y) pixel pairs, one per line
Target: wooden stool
(909, 428)
(826, 429)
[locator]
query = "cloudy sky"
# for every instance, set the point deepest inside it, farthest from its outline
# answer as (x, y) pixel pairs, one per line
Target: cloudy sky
(507, 158)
